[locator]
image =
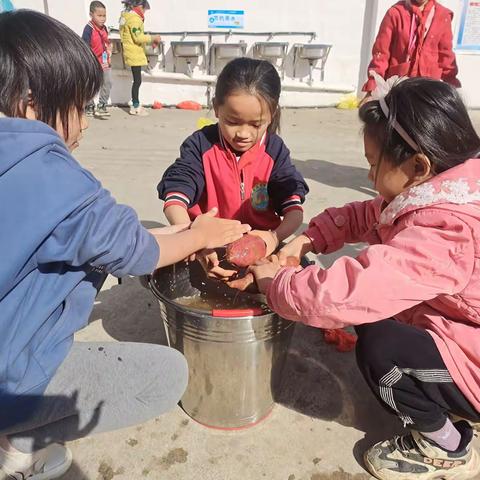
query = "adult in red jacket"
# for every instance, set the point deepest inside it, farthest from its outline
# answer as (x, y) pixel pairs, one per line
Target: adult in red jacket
(414, 40)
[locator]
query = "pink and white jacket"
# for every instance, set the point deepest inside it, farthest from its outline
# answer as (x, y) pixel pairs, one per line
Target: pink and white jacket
(422, 267)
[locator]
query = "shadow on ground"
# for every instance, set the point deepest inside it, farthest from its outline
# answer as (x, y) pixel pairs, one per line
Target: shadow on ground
(336, 175)
(76, 473)
(322, 383)
(130, 313)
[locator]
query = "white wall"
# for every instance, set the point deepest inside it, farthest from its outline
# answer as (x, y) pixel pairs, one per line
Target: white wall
(349, 25)
(269, 15)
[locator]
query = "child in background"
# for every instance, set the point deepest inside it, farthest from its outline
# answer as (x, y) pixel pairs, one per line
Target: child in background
(134, 40)
(414, 40)
(239, 165)
(95, 34)
(414, 293)
(61, 233)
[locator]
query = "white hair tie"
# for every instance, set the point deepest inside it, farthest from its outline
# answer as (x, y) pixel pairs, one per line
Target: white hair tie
(380, 92)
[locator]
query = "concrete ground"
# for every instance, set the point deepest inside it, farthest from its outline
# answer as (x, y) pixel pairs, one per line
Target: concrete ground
(326, 417)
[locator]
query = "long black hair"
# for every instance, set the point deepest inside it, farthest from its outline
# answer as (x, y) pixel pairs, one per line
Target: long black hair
(45, 63)
(257, 77)
(433, 115)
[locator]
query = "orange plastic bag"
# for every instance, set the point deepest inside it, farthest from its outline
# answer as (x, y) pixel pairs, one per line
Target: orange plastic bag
(189, 105)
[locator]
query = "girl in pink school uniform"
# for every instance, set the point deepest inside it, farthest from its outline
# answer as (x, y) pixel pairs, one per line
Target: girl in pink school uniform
(413, 294)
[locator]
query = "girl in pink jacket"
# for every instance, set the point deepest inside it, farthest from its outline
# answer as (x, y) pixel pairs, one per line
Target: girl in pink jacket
(413, 294)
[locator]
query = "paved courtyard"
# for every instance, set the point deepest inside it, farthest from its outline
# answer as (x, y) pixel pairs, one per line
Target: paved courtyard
(326, 417)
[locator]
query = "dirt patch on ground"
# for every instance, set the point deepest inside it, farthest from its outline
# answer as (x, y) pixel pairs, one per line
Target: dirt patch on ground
(340, 475)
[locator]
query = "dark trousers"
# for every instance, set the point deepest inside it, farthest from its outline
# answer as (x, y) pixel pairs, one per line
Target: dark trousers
(137, 81)
(405, 371)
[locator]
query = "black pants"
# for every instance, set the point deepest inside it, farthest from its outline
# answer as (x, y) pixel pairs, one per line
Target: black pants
(405, 371)
(137, 81)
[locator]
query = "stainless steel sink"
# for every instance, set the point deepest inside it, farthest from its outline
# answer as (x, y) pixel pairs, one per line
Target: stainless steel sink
(312, 53)
(116, 46)
(271, 50)
(154, 51)
(227, 51)
(188, 49)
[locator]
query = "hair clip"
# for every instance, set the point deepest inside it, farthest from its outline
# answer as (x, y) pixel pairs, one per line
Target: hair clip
(379, 93)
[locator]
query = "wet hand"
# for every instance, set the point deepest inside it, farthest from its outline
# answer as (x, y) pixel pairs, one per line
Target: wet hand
(209, 261)
(217, 232)
(297, 248)
(270, 239)
(264, 272)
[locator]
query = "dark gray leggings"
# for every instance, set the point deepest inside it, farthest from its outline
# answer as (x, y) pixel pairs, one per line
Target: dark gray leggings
(137, 81)
(101, 387)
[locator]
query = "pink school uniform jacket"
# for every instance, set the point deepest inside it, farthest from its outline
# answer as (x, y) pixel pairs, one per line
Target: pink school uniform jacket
(422, 268)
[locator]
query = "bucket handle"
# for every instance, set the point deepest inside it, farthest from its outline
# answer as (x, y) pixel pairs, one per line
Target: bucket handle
(246, 312)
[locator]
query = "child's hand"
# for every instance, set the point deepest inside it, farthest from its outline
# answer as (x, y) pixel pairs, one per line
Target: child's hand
(208, 259)
(169, 230)
(265, 271)
(297, 248)
(217, 232)
(270, 239)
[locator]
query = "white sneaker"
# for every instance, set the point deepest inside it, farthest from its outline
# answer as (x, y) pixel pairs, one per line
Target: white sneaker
(46, 464)
(413, 456)
(139, 111)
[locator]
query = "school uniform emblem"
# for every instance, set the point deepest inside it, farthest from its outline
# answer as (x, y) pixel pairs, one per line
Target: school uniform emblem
(260, 198)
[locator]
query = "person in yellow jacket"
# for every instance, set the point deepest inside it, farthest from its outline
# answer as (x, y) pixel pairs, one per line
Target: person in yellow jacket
(133, 40)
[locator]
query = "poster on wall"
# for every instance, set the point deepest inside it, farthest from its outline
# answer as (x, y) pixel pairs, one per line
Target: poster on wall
(226, 18)
(469, 28)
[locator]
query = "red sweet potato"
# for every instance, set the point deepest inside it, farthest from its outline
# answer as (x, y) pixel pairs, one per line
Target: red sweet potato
(246, 251)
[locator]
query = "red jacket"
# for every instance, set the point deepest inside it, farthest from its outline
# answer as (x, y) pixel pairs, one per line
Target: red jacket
(414, 50)
(257, 189)
(97, 39)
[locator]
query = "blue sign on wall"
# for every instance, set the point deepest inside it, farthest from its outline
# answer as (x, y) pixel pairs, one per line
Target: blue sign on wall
(226, 18)
(6, 6)
(469, 29)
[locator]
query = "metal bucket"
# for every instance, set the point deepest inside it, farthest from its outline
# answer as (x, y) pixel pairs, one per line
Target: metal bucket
(235, 357)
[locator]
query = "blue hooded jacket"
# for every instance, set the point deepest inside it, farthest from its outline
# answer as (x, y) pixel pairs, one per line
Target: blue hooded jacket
(57, 227)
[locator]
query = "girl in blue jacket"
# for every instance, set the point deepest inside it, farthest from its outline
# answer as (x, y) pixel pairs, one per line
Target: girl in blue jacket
(60, 234)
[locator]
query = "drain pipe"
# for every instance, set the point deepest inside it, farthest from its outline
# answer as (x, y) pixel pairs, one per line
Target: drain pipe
(368, 37)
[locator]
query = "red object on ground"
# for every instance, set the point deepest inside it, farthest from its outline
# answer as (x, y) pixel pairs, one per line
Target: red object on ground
(246, 251)
(189, 105)
(343, 341)
(157, 105)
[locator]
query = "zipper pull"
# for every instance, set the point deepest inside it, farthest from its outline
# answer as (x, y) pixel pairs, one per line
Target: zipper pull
(242, 191)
